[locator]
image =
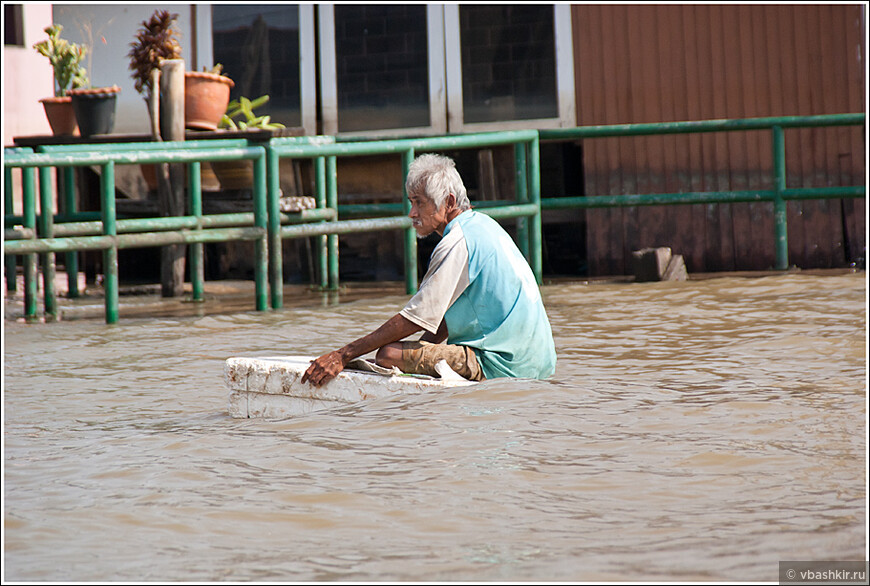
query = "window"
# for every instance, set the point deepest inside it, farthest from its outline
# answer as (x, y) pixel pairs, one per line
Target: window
(260, 47)
(509, 66)
(388, 69)
(13, 25)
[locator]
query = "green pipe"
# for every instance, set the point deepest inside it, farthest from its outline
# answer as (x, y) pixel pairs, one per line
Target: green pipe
(11, 260)
(28, 185)
(411, 277)
(46, 230)
(79, 158)
(261, 220)
(390, 209)
(799, 193)
(780, 215)
(161, 224)
(399, 146)
(701, 126)
(332, 240)
(110, 255)
(142, 240)
(521, 182)
(346, 227)
(156, 145)
(71, 259)
(519, 210)
(606, 201)
(311, 215)
(535, 198)
(321, 254)
(197, 266)
(276, 262)
(58, 218)
(18, 234)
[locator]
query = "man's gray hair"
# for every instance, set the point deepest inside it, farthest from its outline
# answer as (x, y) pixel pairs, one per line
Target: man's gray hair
(435, 176)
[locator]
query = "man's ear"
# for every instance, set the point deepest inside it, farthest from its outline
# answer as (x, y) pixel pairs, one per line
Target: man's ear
(450, 201)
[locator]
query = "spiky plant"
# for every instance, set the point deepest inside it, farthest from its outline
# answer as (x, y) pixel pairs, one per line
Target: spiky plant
(66, 60)
(156, 41)
(245, 107)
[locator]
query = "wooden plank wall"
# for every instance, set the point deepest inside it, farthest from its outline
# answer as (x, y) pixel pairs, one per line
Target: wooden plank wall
(663, 63)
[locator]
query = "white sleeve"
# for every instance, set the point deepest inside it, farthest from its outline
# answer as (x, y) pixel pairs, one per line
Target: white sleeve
(443, 283)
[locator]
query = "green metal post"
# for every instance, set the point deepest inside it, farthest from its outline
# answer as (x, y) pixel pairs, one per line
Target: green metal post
(320, 197)
(534, 165)
(780, 212)
(332, 203)
(522, 192)
(28, 188)
(46, 230)
(410, 233)
(9, 209)
(261, 220)
(66, 181)
(197, 266)
(110, 255)
(276, 268)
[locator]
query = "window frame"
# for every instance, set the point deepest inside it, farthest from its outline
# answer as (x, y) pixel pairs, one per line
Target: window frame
(307, 62)
(565, 97)
(437, 78)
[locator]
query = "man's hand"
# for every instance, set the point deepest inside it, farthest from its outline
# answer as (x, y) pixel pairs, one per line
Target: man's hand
(324, 369)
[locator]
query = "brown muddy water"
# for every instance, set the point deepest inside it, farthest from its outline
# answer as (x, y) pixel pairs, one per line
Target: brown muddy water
(702, 430)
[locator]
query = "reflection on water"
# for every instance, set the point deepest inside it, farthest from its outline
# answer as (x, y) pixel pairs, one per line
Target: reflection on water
(702, 430)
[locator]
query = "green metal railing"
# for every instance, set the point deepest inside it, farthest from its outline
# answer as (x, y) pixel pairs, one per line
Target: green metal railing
(779, 193)
(526, 208)
(42, 237)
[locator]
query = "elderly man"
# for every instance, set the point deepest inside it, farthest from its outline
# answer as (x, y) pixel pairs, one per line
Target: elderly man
(479, 295)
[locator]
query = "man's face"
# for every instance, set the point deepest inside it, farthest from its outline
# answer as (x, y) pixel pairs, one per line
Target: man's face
(425, 217)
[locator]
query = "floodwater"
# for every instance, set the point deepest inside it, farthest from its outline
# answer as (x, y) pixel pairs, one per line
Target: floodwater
(702, 430)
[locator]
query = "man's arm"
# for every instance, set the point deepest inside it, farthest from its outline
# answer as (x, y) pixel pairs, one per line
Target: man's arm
(325, 368)
(438, 337)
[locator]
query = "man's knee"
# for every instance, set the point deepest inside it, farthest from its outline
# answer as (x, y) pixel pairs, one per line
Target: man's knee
(389, 355)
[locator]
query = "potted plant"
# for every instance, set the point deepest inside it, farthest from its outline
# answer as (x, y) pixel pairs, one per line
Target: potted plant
(206, 93)
(240, 116)
(206, 98)
(66, 62)
(156, 41)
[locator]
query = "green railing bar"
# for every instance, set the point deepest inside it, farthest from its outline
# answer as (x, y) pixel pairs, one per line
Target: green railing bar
(332, 239)
(110, 255)
(684, 127)
(802, 193)
(346, 227)
(80, 158)
(197, 261)
(261, 220)
(321, 247)
(697, 197)
(28, 187)
(401, 145)
(45, 229)
(140, 240)
(156, 224)
(535, 232)
(18, 234)
(780, 211)
(410, 243)
(62, 218)
(310, 215)
(521, 181)
(66, 182)
(276, 257)
(11, 261)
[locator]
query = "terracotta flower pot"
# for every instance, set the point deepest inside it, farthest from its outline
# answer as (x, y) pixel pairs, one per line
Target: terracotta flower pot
(234, 174)
(206, 96)
(95, 109)
(61, 116)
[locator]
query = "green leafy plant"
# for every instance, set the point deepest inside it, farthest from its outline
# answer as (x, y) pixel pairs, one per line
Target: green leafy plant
(243, 107)
(66, 60)
(156, 41)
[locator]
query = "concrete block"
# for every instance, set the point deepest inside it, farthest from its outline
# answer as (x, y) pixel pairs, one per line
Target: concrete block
(658, 264)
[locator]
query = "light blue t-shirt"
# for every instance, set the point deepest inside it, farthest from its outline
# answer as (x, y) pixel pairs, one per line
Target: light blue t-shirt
(479, 283)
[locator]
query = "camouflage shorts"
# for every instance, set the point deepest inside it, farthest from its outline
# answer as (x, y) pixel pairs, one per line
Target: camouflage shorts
(421, 358)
